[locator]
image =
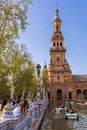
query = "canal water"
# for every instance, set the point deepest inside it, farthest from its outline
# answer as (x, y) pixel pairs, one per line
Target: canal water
(56, 121)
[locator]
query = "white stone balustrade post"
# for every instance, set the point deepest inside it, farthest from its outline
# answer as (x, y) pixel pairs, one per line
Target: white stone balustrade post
(12, 123)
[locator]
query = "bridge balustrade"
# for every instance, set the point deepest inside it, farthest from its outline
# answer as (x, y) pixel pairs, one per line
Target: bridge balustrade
(25, 122)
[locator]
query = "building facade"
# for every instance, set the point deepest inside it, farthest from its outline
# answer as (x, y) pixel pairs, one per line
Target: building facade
(61, 83)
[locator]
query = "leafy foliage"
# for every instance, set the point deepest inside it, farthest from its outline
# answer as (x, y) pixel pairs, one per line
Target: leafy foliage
(13, 15)
(44, 76)
(17, 71)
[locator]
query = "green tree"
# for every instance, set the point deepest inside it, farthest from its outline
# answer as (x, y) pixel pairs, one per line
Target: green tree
(44, 76)
(26, 83)
(13, 18)
(17, 66)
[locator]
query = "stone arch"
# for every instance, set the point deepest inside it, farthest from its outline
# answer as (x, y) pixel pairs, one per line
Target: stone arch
(59, 95)
(57, 28)
(49, 95)
(54, 44)
(70, 95)
(60, 44)
(85, 94)
(79, 94)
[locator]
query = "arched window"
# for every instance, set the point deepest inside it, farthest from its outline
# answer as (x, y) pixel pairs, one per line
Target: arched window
(54, 44)
(60, 44)
(58, 77)
(85, 94)
(57, 28)
(58, 59)
(57, 44)
(78, 92)
(59, 94)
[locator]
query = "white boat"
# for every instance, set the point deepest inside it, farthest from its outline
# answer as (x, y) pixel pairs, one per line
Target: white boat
(73, 115)
(60, 109)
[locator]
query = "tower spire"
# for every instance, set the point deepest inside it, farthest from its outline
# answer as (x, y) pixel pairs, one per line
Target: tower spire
(56, 6)
(56, 10)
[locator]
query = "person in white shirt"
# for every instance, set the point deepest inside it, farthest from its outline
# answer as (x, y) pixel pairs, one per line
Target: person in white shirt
(18, 109)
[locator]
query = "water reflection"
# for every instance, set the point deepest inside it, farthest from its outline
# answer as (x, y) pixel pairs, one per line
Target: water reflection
(56, 121)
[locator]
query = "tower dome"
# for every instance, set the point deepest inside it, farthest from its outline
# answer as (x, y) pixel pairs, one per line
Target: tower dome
(57, 17)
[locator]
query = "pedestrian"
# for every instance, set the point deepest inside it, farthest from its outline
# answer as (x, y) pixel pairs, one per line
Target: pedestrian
(4, 102)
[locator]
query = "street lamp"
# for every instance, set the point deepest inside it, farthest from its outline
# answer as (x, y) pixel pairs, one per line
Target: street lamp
(44, 91)
(38, 67)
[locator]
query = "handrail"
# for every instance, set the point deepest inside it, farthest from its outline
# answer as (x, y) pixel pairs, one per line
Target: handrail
(20, 123)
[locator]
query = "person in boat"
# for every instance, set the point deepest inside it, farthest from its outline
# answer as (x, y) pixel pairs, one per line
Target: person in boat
(62, 109)
(71, 110)
(62, 106)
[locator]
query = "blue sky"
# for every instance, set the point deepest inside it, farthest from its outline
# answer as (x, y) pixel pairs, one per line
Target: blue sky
(37, 36)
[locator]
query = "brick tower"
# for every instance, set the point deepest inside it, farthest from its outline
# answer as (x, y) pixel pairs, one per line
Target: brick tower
(58, 70)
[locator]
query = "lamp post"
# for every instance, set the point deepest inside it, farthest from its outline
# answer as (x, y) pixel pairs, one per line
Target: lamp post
(38, 67)
(44, 90)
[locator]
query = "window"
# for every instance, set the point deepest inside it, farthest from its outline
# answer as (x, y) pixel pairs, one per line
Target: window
(54, 44)
(57, 44)
(57, 28)
(58, 59)
(61, 44)
(58, 77)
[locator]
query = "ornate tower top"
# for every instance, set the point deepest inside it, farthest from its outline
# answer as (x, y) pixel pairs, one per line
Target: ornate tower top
(57, 12)
(57, 37)
(45, 67)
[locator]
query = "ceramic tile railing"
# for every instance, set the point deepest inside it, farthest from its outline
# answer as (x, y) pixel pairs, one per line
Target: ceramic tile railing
(25, 123)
